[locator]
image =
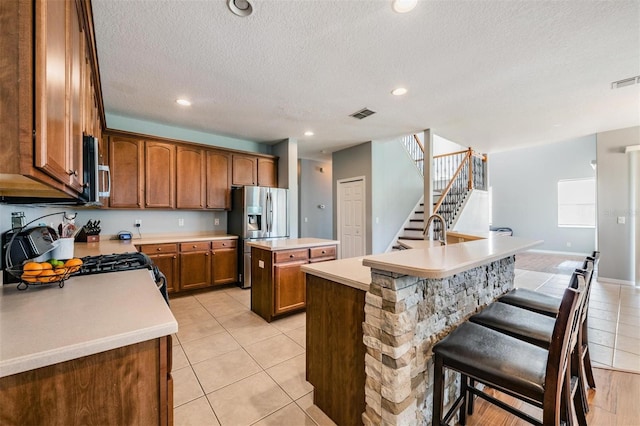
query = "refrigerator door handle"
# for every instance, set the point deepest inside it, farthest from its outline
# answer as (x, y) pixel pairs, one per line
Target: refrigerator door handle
(268, 215)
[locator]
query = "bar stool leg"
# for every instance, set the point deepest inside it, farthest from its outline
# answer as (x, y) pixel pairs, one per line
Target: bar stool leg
(438, 391)
(464, 391)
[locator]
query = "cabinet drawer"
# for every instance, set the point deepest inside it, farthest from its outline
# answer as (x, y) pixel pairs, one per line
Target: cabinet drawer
(218, 244)
(326, 251)
(159, 248)
(195, 246)
(291, 255)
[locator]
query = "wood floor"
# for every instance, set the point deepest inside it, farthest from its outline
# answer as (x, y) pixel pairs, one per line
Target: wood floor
(615, 402)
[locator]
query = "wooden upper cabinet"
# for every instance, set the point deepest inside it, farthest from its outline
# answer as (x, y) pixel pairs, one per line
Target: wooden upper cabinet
(245, 170)
(75, 67)
(191, 178)
(127, 166)
(160, 174)
(51, 147)
(218, 180)
(267, 172)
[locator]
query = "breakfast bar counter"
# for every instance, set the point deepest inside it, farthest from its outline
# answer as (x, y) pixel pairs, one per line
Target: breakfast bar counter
(380, 335)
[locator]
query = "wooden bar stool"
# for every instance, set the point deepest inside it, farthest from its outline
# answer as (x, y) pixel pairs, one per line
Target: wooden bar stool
(548, 305)
(525, 371)
(537, 329)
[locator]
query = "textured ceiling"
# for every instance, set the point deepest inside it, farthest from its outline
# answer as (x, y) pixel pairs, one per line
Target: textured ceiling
(488, 74)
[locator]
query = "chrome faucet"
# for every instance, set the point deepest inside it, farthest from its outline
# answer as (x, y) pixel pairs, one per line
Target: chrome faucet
(443, 240)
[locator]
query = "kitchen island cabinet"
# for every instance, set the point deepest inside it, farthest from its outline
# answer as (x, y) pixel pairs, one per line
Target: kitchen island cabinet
(277, 283)
(388, 321)
(98, 352)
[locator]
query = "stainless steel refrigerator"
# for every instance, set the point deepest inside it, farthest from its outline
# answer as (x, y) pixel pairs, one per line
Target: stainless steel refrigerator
(258, 213)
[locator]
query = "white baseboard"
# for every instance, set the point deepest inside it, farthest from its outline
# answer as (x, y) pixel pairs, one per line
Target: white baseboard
(615, 281)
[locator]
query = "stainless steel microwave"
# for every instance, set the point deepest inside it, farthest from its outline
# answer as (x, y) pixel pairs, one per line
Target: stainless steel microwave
(96, 177)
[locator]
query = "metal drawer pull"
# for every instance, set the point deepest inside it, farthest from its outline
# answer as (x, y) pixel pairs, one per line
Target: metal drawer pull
(323, 252)
(158, 249)
(292, 256)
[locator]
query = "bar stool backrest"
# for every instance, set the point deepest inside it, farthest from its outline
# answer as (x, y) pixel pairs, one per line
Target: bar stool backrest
(565, 333)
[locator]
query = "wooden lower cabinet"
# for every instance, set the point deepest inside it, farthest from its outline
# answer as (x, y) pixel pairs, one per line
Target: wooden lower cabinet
(124, 386)
(277, 283)
(168, 265)
(289, 292)
(225, 261)
(193, 265)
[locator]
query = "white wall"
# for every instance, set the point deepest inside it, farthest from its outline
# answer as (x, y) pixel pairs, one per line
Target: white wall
(475, 213)
(525, 198)
(615, 241)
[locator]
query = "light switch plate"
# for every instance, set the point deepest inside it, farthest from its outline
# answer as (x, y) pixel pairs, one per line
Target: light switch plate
(261, 264)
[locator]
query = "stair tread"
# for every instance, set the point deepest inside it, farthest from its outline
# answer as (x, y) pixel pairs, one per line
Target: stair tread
(410, 238)
(412, 229)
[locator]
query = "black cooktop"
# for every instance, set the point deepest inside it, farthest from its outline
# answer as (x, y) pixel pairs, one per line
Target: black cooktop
(114, 263)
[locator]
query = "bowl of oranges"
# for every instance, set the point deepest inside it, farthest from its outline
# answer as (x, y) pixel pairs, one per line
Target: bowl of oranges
(52, 271)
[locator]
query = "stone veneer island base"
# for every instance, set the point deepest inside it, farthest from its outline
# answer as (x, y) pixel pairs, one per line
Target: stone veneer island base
(414, 298)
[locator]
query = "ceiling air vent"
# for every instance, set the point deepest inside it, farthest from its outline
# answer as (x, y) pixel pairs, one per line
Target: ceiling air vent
(626, 82)
(363, 113)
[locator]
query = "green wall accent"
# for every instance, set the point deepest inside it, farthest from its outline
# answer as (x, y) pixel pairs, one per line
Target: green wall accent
(129, 124)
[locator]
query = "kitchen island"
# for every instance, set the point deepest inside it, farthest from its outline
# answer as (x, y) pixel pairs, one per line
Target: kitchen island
(277, 283)
(96, 351)
(413, 299)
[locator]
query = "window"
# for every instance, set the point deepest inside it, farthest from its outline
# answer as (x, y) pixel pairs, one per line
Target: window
(577, 203)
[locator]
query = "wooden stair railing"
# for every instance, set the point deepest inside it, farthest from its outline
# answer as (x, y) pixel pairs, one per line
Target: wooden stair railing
(455, 174)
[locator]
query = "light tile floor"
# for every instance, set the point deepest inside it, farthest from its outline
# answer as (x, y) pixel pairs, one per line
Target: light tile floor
(230, 367)
(614, 317)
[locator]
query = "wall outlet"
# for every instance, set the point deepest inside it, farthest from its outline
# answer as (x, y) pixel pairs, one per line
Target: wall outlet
(621, 220)
(306, 219)
(181, 222)
(216, 221)
(138, 223)
(568, 244)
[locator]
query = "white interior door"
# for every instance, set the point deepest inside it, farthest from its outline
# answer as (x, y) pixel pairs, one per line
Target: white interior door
(351, 217)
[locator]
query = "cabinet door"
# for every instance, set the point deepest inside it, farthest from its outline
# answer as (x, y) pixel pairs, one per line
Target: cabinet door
(191, 178)
(125, 160)
(245, 170)
(218, 180)
(168, 265)
(225, 266)
(51, 143)
(267, 172)
(160, 175)
(289, 287)
(76, 54)
(195, 270)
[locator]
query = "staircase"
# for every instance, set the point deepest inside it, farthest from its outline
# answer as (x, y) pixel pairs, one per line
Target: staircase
(455, 176)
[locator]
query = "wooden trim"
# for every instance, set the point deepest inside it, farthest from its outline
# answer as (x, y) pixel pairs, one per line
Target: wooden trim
(128, 134)
(451, 153)
(87, 23)
(415, 138)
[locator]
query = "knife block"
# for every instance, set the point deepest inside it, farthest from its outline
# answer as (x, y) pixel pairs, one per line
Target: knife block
(83, 237)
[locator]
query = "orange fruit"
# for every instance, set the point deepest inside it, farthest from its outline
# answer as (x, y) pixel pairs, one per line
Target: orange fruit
(60, 272)
(48, 276)
(73, 264)
(29, 278)
(46, 265)
(32, 269)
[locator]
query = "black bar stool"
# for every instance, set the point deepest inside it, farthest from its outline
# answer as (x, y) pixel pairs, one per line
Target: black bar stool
(548, 305)
(525, 371)
(538, 329)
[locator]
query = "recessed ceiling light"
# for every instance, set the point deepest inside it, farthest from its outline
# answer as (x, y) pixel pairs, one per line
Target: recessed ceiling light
(399, 91)
(404, 6)
(240, 7)
(309, 133)
(183, 102)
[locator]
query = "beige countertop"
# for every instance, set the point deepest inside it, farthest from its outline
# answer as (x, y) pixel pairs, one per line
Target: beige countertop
(103, 247)
(292, 243)
(444, 261)
(350, 272)
(418, 244)
(93, 313)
